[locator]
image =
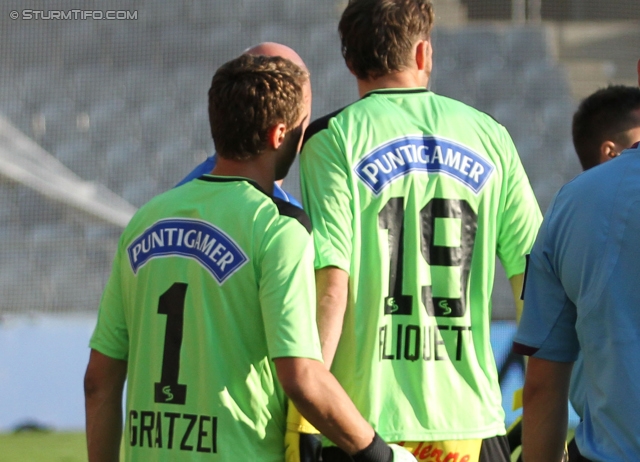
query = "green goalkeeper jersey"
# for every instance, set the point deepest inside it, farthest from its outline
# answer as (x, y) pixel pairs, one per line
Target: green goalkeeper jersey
(210, 283)
(414, 194)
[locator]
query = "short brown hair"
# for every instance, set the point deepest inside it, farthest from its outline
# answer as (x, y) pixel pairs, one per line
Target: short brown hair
(378, 35)
(249, 95)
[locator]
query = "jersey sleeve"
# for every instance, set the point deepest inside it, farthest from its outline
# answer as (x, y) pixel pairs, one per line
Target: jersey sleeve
(327, 198)
(287, 292)
(111, 336)
(521, 215)
(547, 326)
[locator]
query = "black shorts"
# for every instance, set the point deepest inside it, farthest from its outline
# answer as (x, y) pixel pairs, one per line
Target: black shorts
(495, 449)
(574, 452)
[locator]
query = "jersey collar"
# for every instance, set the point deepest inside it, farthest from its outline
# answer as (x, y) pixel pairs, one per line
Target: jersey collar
(397, 91)
(228, 179)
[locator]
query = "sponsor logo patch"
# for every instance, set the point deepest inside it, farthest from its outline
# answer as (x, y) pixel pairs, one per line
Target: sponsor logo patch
(185, 237)
(398, 305)
(428, 154)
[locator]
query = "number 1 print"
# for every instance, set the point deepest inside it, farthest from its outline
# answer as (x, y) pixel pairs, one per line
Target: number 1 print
(171, 303)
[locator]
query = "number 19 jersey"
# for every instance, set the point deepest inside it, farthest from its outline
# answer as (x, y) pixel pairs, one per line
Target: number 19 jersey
(211, 282)
(414, 194)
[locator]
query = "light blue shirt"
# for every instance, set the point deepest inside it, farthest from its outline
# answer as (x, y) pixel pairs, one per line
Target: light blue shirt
(582, 292)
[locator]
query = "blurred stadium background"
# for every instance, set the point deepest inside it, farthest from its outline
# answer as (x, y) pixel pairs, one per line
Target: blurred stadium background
(98, 116)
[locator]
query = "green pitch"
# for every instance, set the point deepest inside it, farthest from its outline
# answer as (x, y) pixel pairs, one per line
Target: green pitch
(42, 446)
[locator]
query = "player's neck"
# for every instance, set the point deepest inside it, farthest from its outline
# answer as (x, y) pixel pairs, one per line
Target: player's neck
(402, 79)
(252, 169)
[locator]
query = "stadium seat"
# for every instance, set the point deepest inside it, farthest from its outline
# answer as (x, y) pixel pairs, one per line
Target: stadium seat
(523, 124)
(139, 192)
(455, 85)
(546, 186)
(75, 153)
(556, 117)
(527, 44)
(338, 84)
(494, 84)
(479, 45)
(544, 81)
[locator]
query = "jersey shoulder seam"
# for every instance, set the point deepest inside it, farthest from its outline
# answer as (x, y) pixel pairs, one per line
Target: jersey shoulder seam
(289, 210)
(321, 123)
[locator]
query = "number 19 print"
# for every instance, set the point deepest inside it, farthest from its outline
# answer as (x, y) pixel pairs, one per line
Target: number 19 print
(392, 218)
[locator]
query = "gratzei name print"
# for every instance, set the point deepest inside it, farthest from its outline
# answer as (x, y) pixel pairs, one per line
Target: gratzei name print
(173, 430)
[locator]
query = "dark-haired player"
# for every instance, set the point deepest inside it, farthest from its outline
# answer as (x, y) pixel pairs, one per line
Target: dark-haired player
(606, 123)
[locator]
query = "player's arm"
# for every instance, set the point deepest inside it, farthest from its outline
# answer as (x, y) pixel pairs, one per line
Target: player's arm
(331, 295)
(301, 440)
(327, 198)
(517, 282)
(103, 385)
(332, 287)
(545, 415)
(319, 396)
(321, 399)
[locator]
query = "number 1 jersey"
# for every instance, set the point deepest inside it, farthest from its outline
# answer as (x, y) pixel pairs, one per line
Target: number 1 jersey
(210, 283)
(414, 194)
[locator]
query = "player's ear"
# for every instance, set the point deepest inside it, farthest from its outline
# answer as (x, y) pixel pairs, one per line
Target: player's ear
(608, 151)
(276, 135)
(423, 54)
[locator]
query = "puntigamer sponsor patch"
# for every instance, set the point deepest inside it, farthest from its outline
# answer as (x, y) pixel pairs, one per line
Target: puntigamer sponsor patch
(429, 154)
(185, 237)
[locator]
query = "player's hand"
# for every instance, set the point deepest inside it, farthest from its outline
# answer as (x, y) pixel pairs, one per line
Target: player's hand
(400, 454)
(302, 442)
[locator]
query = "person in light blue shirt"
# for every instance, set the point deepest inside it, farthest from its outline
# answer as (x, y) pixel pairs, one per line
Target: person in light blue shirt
(606, 123)
(581, 296)
(267, 49)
